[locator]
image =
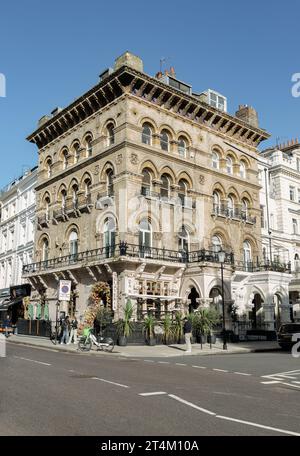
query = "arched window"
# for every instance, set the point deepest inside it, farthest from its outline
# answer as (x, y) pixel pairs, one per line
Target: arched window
(75, 195)
(245, 208)
(65, 159)
(109, 182)
(165, 186)
(247, 255)
(229, 165)
(76, 148)
(147, 134)
(45, 249)
(63, 199)
(88, 145)
(109, 237)
(182, 193)
(49, 167)
(216, 244)
(47, 208)
(87, 187)
(230, 206)
(215, 160)
(73, 244)
(182, 147)
(243, 170)
(164, 140)
(110, 134)
(183, 240)
(216, 202)
(145, 236)
(146, 183)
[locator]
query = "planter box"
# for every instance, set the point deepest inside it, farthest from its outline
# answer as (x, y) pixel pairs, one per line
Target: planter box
(122, 341)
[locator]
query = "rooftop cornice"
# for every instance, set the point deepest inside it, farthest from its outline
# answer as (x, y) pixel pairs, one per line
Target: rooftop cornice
(129, 80)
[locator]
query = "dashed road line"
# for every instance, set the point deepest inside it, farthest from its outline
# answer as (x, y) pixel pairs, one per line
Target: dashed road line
(155, 393)
(242, 373)
(32, 360)
(108, 381)
(220, 370)
(271, 382)
(190, 404)
(148, 361)
(180, 364)
(199, 367)
(163, 362)
(262, 426)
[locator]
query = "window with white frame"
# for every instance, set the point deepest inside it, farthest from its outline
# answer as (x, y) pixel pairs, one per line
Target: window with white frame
(242, 170)
(295, 226)
(215, 160)
(147, 134)
(229, 165)
(182, 147)
(230, 206)
(216, 202)
(164, 140)
(292, 193)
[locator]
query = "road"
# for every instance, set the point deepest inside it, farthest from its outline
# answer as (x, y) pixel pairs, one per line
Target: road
(43, 392)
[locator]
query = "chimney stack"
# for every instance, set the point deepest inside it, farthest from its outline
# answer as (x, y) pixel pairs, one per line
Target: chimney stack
(248, 115)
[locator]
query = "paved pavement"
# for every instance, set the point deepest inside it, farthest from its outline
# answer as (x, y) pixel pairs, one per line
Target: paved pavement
(43, 392)
(158, 350)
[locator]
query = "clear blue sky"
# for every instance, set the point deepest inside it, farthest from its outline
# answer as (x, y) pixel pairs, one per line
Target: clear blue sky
(51, 52)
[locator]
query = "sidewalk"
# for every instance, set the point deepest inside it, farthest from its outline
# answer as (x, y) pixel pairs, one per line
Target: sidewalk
(158, 351)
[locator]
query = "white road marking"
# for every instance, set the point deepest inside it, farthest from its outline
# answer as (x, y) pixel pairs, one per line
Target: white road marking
(163, 362)
(220, 370)
(107, 381)
(158, 393)
(249, 423)
(190, 404)
(295, 382)
(32, 360)
(180, 364)
(200, 367)
(290, 384)
(271, 382)
(241, 373)
(148, 361)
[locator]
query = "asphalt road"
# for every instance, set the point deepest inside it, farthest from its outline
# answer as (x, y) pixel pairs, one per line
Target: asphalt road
(49, 393)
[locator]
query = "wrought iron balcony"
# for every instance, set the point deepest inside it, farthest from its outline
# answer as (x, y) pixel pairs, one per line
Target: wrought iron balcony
(209, 256)
(250, 266)
(234, 214)
(43, 221)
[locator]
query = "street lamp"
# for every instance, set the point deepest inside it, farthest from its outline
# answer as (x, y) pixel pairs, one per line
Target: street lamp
(222, 256)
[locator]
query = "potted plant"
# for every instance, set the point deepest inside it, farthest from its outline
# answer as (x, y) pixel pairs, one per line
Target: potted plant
(192, 317)
(148, 328)
(125, 325)
(213, 318)
(203, 322)
(168, 329)
(178, 328)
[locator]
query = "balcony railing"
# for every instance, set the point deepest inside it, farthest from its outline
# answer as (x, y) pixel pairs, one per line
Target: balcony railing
(181, 200)
(209, 256)
(43, 221)
(250, 266)
(234, 213)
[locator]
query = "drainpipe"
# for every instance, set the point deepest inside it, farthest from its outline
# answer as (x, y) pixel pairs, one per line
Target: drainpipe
(268, 217)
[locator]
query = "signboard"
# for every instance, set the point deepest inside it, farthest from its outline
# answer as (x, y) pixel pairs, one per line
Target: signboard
(64, 291)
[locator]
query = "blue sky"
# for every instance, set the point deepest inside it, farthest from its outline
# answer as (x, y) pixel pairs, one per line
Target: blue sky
(51, 52)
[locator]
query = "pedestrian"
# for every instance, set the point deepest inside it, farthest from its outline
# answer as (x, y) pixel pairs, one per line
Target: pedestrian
(65, 330)
(7, 325)
(187, 330)
(96, 327)
(73, 333)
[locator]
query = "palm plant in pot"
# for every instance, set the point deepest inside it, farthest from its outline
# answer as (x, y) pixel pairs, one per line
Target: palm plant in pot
(213, 319)
(168, 329)
(192, 317)
(124, 325)
(148, 327)
(178, 328)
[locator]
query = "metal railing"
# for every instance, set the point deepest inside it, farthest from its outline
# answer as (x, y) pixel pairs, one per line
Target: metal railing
(234, 213)
(209, 256)
(250, 266)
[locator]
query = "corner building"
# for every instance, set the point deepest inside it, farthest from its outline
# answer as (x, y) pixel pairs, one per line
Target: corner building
(140, 183)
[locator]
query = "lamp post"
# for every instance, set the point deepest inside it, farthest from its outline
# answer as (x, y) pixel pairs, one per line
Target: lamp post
(56, 321)
(221, 256)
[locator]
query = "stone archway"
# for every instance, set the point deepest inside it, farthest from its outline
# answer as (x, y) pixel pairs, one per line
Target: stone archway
(193, 299)
(216, 295)
(257, 315)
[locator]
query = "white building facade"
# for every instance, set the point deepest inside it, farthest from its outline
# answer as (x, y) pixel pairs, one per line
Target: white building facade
(18, 205)
(280, 205)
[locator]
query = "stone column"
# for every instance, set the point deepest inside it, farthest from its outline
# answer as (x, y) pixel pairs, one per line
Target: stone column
(269, 315)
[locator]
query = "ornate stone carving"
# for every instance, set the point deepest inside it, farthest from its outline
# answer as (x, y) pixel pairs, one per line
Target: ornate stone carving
(96, 170)
(201, 179)
(134, 159)
(119, 159)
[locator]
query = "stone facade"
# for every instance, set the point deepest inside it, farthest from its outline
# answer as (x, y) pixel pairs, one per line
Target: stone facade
(140, 185)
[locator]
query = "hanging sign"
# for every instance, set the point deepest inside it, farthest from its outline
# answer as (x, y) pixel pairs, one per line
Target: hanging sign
(64, 292)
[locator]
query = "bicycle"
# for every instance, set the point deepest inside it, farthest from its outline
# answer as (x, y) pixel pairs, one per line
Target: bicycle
(89, 338)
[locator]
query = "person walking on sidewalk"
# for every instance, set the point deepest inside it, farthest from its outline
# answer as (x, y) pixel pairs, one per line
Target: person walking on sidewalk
(65, 326)
(187, 330)
(73, 333)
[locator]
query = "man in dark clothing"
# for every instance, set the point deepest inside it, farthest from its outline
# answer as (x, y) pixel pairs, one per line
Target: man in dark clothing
(65, 330)
(187, 330)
